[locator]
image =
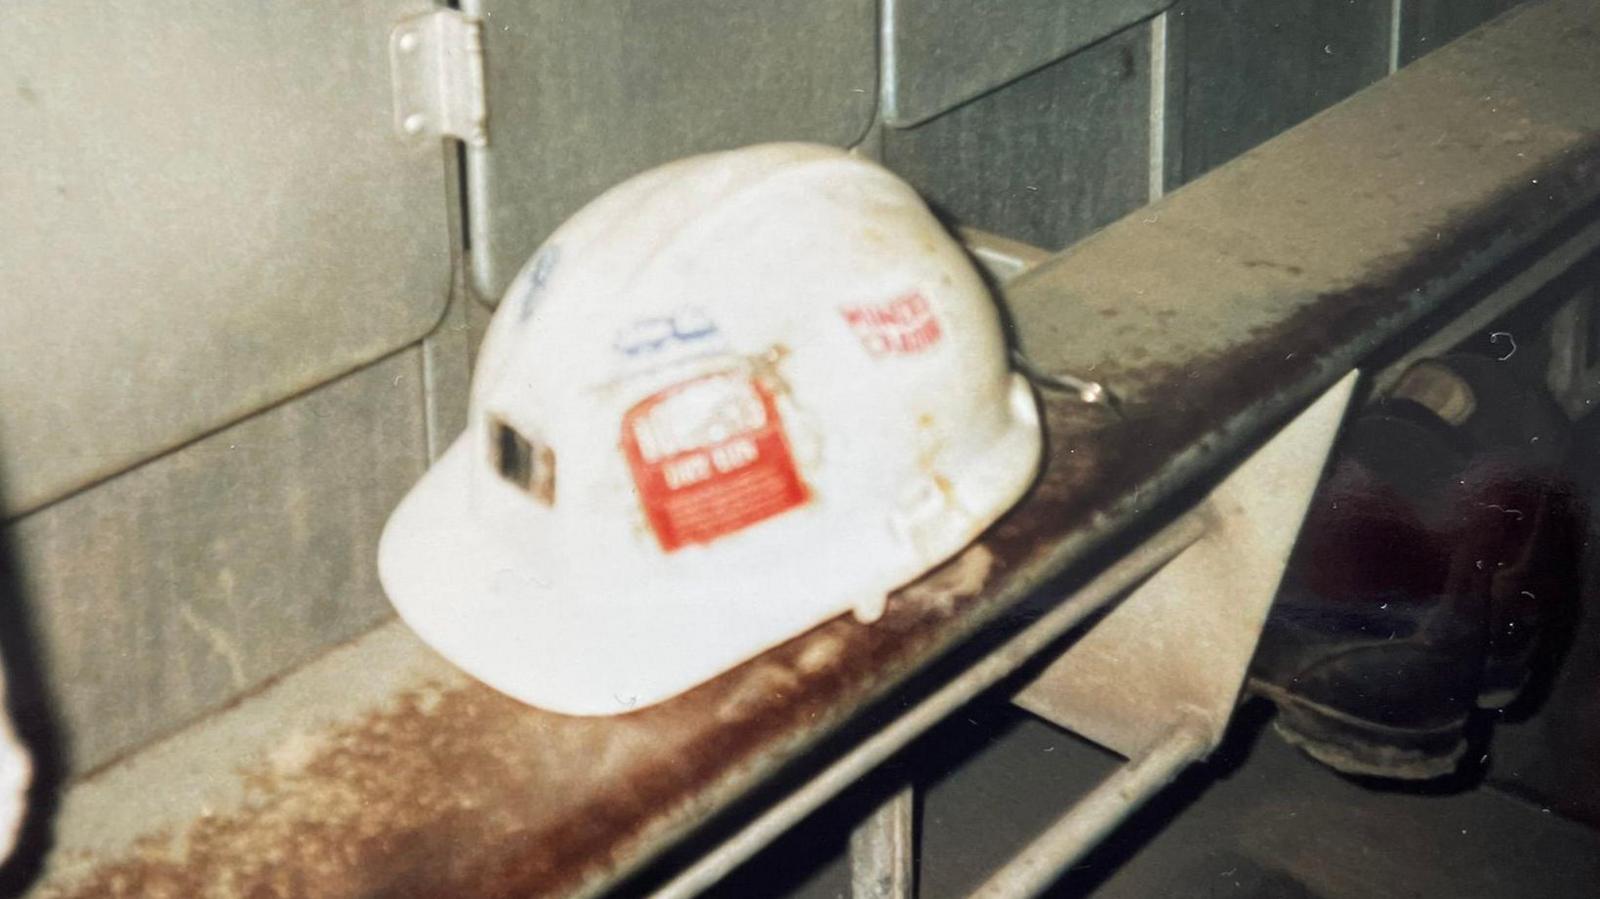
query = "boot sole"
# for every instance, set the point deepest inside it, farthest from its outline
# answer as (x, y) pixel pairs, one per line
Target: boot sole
(1509, 685)
(1355, 746)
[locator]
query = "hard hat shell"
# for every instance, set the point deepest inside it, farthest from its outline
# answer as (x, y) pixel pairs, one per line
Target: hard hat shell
(731, 398)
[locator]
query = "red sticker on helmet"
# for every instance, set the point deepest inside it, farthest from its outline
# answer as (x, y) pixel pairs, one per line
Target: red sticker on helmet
(709, 457)
(903, 325)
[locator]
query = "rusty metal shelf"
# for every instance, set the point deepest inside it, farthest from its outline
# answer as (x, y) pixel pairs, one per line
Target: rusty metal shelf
(1217, 312)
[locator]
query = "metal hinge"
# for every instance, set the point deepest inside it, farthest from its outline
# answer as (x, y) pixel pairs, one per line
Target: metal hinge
(436, 62)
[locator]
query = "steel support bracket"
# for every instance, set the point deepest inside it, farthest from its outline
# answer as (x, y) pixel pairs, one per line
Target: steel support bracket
(883, 850)
(1177, 647)
(436, 63)
(1157, 678)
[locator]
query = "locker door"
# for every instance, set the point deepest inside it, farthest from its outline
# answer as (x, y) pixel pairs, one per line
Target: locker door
(204, 209)
(583, 93)
(942, 53)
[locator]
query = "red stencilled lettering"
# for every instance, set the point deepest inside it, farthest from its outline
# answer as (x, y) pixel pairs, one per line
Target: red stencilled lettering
(709, 457)
(903, 325)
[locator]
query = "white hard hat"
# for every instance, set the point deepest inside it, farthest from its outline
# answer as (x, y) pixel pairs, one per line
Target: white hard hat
(732, 398)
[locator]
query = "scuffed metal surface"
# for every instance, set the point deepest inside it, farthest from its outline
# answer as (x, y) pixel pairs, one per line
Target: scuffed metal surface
(1427, 25)
(1253, 68)
(1048, 158)
(180, 251)
(1214, 313)
(945, 52)
(585, 93)
(163, 594)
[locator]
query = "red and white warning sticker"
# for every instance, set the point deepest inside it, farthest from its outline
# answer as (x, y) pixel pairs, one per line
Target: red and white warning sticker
(709, 457)
(904, 325)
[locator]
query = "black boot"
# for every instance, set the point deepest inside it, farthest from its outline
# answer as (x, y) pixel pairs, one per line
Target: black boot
(1432, 560)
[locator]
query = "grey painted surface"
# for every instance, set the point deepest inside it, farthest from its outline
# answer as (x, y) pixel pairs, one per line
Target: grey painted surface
(205, 211)
(583, 93)
(165, 592)
(945, 52)
(1046, 159)
(447, 373)
(1172, 115)
(1426, 25)
(1257, 67)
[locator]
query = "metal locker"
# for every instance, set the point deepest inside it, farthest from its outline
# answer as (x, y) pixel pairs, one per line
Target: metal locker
(942, 53)
(204, 209)
(583, 93)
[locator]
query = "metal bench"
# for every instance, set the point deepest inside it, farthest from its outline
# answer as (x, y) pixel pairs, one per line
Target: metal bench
(1398, 221)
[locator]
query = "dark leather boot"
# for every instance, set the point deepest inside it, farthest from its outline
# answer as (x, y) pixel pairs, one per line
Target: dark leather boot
(1434, 557)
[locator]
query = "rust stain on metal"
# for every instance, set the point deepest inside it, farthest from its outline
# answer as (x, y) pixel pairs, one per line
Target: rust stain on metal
(1173, 404)
(466, 792)
(960, 578)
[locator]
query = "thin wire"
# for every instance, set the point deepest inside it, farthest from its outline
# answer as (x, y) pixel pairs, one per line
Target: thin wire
(1092, 393)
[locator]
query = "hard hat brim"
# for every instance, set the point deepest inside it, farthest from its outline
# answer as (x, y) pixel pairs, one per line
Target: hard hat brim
(595, 636)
